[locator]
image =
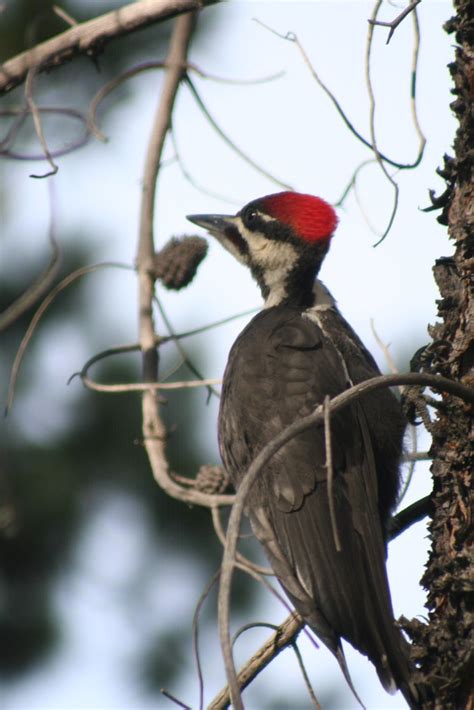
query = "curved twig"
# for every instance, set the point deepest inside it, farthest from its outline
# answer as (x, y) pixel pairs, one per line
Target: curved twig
(192, 181)
(228, 140)
(281, 639)
(195, 634)
(373, 140)
(245, 563)
(211, 390)
(38, 124)
(42, 283)
(393, 24)
(22, 115)
(291, 37)
(39, 314)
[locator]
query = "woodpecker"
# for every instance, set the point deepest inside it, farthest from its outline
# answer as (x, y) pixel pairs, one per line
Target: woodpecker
(291, 355)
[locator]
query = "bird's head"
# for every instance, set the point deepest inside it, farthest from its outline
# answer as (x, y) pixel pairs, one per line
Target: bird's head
(283, 239)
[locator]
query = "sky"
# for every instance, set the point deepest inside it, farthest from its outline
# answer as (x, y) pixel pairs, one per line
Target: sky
(290, 127)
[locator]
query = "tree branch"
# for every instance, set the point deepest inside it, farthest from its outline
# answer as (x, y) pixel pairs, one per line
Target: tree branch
(283, 637)
(91, 36)
(154, 433)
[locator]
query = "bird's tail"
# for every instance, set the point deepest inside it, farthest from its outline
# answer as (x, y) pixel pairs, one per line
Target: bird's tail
(396, 673)
(341, 659)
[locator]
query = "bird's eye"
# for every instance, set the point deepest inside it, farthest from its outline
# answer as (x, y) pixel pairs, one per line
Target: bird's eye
(250, 217)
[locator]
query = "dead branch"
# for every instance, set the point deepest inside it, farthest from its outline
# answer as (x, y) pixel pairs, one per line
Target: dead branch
(69, 279)
(291, 37)
(41, 284)
(154, 432)
(393, 24)
(22, 113)
(31, 103)
(281, 639)
(200, 103)
(91, 36)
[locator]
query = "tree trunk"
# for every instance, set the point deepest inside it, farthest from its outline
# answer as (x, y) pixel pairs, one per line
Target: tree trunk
(445, 647)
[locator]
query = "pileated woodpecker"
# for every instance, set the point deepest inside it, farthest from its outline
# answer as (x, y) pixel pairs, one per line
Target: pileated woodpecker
(296, 351)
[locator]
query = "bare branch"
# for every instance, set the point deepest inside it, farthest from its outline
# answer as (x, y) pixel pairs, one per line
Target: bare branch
(245, 563)
(197, 656)
(22, 114)
(309, 688)
(154, 433)
(42, 283)
(37, 123)
(410, 515)
(230, 142)
(393, 24)
(192, 181)
(146, 386)
(291, 37)
(283, 637)
(330, 472)
(373, 141)
(180, 348)
(90, 37)
(39, 314)
(174, 699)
(68, 19)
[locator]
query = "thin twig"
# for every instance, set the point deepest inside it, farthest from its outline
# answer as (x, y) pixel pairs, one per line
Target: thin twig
(229, 141)
(22, 115)
(192, 181)
(174, 699)
(146, 386)
(393, 24)
(195, 634)
(44, 280)
(148, 66)
(68, 19)
(330, 472)
(19, 117)
(353, 181)
(307, 682)
(108, 88)
(291, 37)
(37, 123)
(283, 637)
(373, 140)
(244, 561)
(39, 314)
(180, 348)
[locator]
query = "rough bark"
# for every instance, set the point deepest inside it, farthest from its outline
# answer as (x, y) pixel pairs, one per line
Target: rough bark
(445, 647)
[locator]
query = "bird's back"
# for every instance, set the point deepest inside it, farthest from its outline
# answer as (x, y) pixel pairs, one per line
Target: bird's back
(274, 376)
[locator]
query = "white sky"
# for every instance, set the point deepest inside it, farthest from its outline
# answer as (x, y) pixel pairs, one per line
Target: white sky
(289, 127)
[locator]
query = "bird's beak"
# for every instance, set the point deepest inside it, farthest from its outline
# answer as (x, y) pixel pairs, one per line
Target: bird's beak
(226, 230)
(216, 224)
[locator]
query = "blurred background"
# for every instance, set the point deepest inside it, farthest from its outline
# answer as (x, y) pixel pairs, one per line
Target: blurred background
(100, 572)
